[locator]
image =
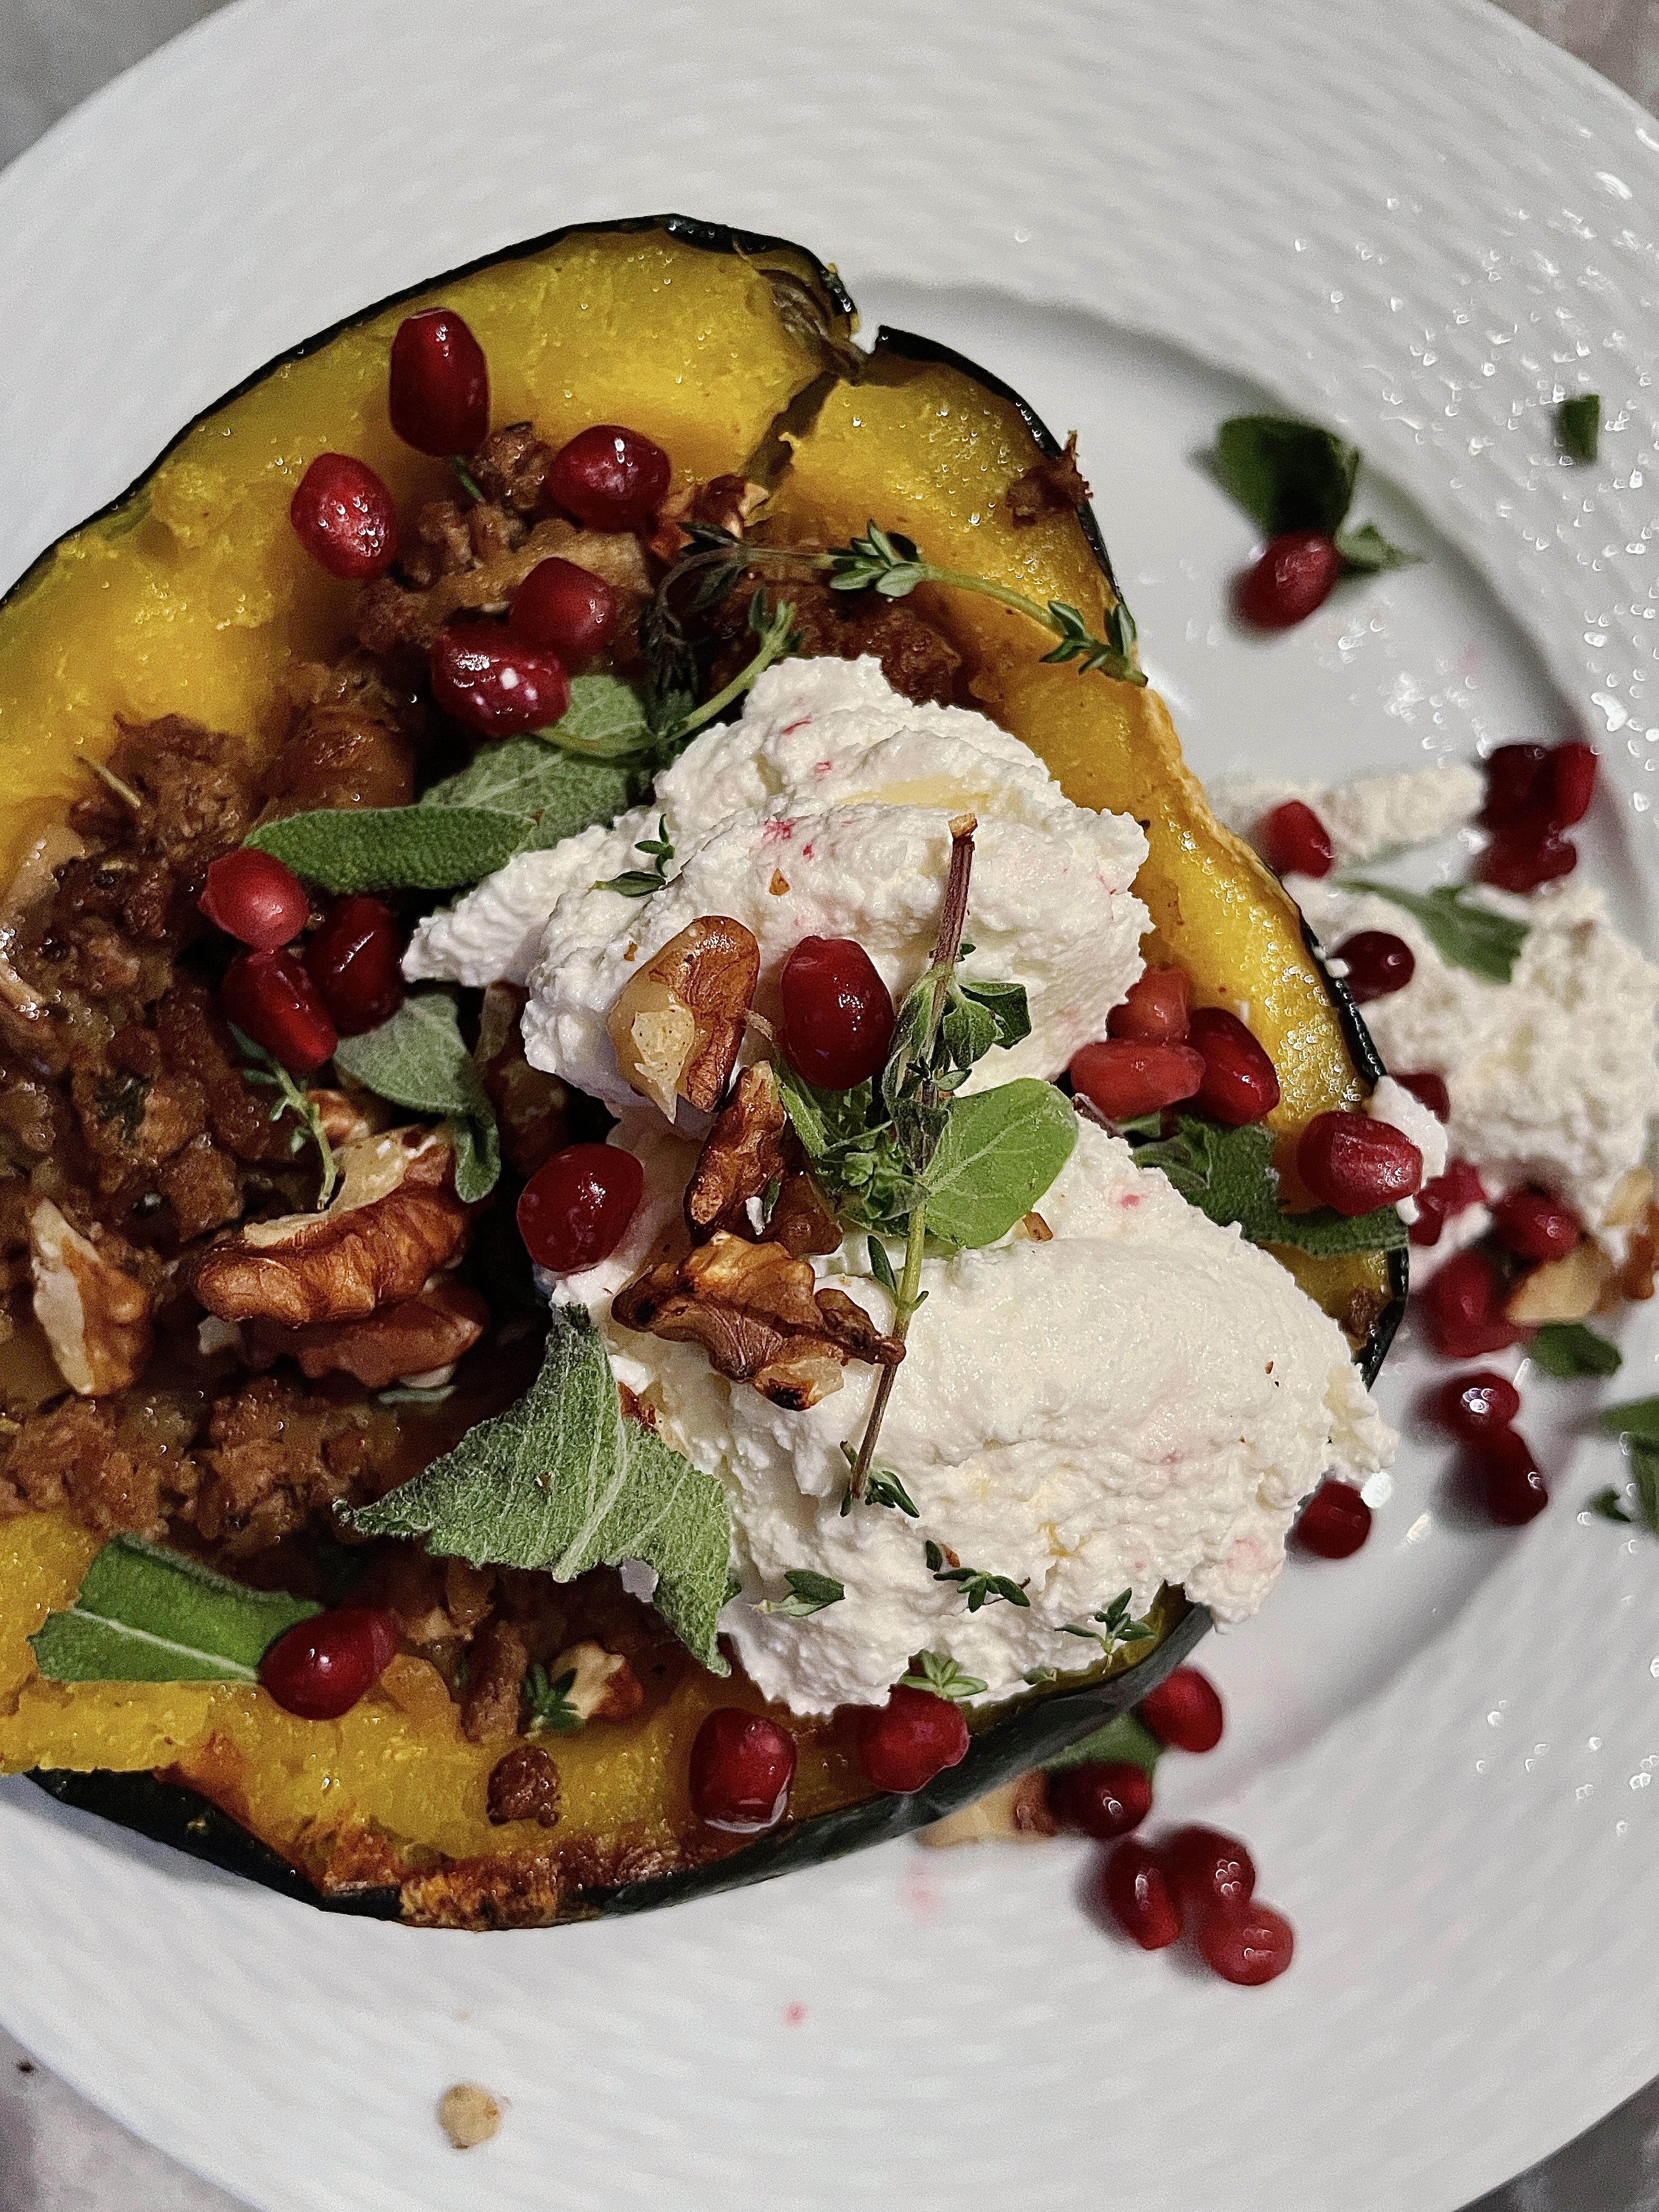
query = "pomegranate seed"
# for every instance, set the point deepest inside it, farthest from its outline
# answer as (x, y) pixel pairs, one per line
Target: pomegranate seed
(1335, 1522)
(1292, 577)
(270, 995)
(1126, 1078)
(1530, 852)
(1184, 1711)
(1475, 1406)
(1462, 1307)
(1248, 1946)
(320, 1667)
(1240, 1083)
(438, 390)
(1209, 1869)
(1104, 1798)
(1572, 783)
(356, 960)
(837, 1013)
(1354, 1163)
(1507, 1474)
(1293, 841)
(344, 518)
(575, 1209)
(1140, 1896)
(564, 610)
(1517, 783)
(1155, 1010)
(742, 1765)
(495, 683)
(915, 1735)
(254, 896)
(609, 477)
(1379, 964)
(1535, 1226)
(1453, 1191)
(1428, 1090)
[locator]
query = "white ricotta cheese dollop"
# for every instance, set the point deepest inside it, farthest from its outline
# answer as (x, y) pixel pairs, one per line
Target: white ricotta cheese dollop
(1142, 1400)
(1552, 1075)
(1365, 816)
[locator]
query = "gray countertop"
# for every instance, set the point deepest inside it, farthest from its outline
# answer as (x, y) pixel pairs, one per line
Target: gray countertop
(56, 2152)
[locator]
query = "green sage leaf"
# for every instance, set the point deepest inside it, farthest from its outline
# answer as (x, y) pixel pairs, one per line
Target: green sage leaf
(1125, 1739)
(418, 1060)
(1367, 552)
(606, 720)
(145, 1614)
(558, 794)
(368, 848)
(1286, 474)
(1637, 1417)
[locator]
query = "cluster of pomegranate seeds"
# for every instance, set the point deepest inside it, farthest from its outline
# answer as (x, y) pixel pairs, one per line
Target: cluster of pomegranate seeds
(438, 392)
(1535, 1226)
(903, 1744)
(1461, 1306)
(1202, 1883)
(356, 960)
(1479, 1410)
(1428, 1090)
(1104, 1798)
(1293, 576)
(254, 898)
(345, 517)
(1354, 1163)
(1185, 1712)
(1334, 1522)
(270, 996)
(1293, 841)
(493, 682)
(1378, 963)
(563, 609)
(575, 1209)
(610, 477)
(1534, 793)
(320, 1667)
(1456, 1189)
(1240, 1082)
(742, 1765)
(837, 1013)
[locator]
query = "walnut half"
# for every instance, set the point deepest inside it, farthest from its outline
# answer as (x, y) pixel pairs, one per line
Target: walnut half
(677, 1025)
(95, 1316)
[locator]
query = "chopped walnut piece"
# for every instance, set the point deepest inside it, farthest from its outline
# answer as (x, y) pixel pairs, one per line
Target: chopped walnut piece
(468, 2115)
(678, 1023)
(95, 1316)
(347, 1117)
(730, 501)
(495, 1684)
(414, 1339)
(488, 566)
(1562, 1290)
(750, 1148)
(203, 1186)
(756, 1312)
(1017, 1813)
(1036, 1229)
(394, 1221)
(606, 1687)
(1049, 487)
(523, 1786)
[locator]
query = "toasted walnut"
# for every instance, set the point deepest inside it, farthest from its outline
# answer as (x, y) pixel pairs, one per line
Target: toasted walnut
(606, 1687)
(394, 1221)
(468, 2115)
(1049, 487)
(1562, 1290)
(523, 1786)
(347, 1117)
(419, 1339)
(1017, 1813)
(477, 567)
(750, 1149)
(95, 1316)
(730, 501)
(755, 1311)
(678, 1022)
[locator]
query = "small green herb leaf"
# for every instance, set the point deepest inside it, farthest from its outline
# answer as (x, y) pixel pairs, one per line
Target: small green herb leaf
(561, 1482)
(430, 848)
(1464, 935)
(1644, 1466)
(809, 1593)
(639, 883)
(1124, 1738)
(999, 1152)
(936, 1671)
(1609, 1503)
(123, 1099)
(1005, 1003)
(1568, 1348)
(143, 1615)
(1637, 1417)
(1366, 552)
(1286, 474)
(978, 1587)
(417, 1060)
(606, 720)
(881, 1266)
(1579, 421)
(547, 1706)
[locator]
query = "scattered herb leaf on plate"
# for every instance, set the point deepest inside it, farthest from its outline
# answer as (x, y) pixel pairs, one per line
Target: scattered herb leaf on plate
(1567, 1348)
(1464, 935)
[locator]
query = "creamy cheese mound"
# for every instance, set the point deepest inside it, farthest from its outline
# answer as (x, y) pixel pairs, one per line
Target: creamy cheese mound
(1143, 1400)
(1552, 1075)
(1365, 816)
(824, 811)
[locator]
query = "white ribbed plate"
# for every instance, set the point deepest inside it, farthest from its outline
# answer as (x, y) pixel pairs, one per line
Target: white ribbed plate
(1415, 220)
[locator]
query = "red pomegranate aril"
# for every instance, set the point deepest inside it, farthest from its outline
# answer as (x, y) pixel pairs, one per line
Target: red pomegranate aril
(1527, 852)
(1451, 1193)
(1136, 1890)
(903, 1744)
(1209, 1869)
(439, 389)
(1126, 1078)
(575, 1209)
(270, 995)
(837, 1013)
(1154, 1011)
(742, 1765)
(319, 1668)
(1184, 1711)
(1517, 783)
(1293, 841)
(1248, 1946)
(254, 896)
(610, 477)
(1240, 1082)
(1473, 1406)
(1335, 1522)
(1507, 1474)
(1461, 1307)
(1379, 964)
(1104, 1798)
(495, 683)
(1572, 783)
(344, 518)
(1428, 1090)
(563, 608)
(1355, 1163)
(1535, 1226)
(1293, 576)
(356, 960)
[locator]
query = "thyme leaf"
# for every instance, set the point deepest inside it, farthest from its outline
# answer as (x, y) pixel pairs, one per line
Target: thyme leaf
(938, 1672)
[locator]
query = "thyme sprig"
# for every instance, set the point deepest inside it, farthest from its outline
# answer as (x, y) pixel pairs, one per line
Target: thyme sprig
(1115, 1627)
(979, 1587)
(267, 1070)
(547, 1706)
(639, 883)
(938, 1672)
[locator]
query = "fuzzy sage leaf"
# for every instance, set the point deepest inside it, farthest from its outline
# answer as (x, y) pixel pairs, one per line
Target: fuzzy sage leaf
(1568, 1348)
(145, 1614)
(368, 848)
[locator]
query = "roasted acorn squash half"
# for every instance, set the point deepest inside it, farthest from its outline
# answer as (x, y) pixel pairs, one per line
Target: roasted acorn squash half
(188, 595)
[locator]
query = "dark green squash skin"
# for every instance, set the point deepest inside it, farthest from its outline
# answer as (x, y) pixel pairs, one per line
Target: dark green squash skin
(1036, 1727)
